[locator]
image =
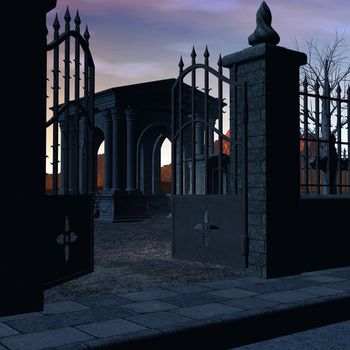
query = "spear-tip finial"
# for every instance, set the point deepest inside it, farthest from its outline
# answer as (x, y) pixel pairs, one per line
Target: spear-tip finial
(67, 16)
(87, 34)
(220, 61)
(206, 52)
(264, 33)
(77, 19)
(181, 64)
(317, 85)
(305, 82)
(56, 23)
(338, 89)
(193, 53)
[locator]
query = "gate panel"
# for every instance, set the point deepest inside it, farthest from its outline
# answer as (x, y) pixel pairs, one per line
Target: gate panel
(68, 238)
(209, 229)
(208, 167)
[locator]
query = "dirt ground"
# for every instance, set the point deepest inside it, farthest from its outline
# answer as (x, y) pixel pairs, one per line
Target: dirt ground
(132, 257)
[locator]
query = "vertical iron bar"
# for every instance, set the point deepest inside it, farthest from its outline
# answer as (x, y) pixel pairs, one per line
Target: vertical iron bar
(85, 165)
(66, 102)
(306, 136)
(245, 169)
(206, 118)
(339, 134)
(174, 148)
(317, 111)
(220, 189)
(77, 97)
(93, 151)
(234, 134)
(348, 116)
(327, 114)
(181, 185)
(56, 70)
(193, 109)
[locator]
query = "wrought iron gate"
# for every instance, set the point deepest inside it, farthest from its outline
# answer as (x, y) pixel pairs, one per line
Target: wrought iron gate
(69, 223)
(208, 168)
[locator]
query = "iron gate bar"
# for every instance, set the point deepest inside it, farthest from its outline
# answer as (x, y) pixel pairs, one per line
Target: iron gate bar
(245, 171)
(77, 97)
(339, 139)
(206, 117)
(193, 111)
(327, 102)
(181, 66)
(235, 136)
(56, 26)
(220, 83)
(306, 134)
(67, 19)
(86, 118)
(348, 93)
(317, 111)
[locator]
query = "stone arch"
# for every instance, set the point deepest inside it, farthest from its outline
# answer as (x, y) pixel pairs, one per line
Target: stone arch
(148, 156)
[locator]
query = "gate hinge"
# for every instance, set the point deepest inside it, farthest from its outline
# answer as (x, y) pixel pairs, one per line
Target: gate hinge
(245, 245)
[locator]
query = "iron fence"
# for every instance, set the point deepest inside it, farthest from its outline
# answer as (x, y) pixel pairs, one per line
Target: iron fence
(324, 138)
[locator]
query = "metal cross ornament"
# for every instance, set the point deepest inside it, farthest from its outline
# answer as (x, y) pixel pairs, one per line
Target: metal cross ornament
(206, 228)
(66, 238)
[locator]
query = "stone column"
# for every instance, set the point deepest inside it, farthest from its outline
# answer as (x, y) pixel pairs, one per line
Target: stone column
(107, 121)
(116, 153)
(273, 193)
(130, 151)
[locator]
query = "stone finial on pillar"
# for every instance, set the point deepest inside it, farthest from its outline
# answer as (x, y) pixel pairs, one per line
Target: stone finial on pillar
(264, 33)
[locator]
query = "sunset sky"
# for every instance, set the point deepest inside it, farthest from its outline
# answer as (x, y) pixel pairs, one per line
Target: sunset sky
(133, 41)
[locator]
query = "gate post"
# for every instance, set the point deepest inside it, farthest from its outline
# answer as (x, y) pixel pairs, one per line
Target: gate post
(272, 76)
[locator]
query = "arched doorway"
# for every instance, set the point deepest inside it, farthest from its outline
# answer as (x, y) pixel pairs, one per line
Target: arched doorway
(165, 167)
(149, 157)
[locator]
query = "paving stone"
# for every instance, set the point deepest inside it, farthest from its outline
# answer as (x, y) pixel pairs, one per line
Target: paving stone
(285, 297)
(20, 316)
(233, 293)
(149, 295)
(320, 290)
(105, 343)
(64, 306)
(224, 284)
(2, 348)
(6, 331)
(160, 320)
(190, 289)
(278, 285)
(341, 285)
(38, 324)
(42, 340)
(149, 306)
(206, 311)
(323, 279)
(110, 328)
(193, 299)
(112, 300)
(250, 303)
(343, 273)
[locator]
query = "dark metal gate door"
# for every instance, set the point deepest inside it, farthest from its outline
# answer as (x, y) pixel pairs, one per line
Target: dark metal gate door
(208, 168)
(68, 236)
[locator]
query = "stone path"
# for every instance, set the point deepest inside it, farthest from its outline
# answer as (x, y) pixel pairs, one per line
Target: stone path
(216, 315)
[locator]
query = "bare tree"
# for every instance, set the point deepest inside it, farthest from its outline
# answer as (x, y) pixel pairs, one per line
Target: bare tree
(327, 73)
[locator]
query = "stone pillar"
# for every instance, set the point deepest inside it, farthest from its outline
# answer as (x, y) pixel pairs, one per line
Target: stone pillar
(273, 193)
(107, 121)
(116, 153)
(130, 151)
